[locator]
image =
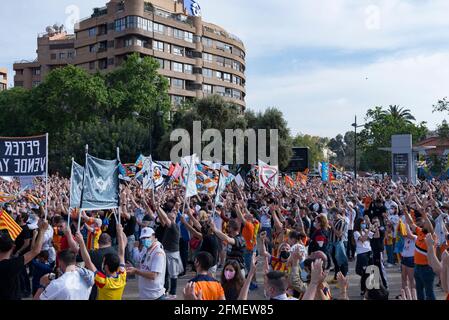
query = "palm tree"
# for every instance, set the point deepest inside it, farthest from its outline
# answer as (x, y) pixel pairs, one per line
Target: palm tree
(399, 113)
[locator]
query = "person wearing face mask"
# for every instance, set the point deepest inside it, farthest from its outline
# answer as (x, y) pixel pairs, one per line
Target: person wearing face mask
(151, 266)
(424, 275)
(232, 280)
(363, 250)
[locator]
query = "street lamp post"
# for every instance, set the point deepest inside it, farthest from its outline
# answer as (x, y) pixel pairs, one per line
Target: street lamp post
(355, 125)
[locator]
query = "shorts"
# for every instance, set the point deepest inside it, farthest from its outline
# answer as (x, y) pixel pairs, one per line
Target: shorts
(408, 262)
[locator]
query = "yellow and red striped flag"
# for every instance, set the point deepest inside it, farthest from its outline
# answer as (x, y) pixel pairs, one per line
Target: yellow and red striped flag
(8, 223)
(289, 182)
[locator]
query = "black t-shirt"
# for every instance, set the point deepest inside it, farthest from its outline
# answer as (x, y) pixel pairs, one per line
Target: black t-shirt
(236, 251)
(97, 256)
(377, 244)
(9, 278)
(231, 293)
(130, 226)
(170, 238)
(210, 244)
(23, 236)
(375, 211)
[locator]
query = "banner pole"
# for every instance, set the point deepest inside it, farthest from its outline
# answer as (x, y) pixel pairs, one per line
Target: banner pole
(70, 189)
(46, 178)
(187, 184)
(82, 190)
(118, 186)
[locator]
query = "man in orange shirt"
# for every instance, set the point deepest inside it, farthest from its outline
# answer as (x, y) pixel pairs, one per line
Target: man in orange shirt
(249, 233)
(424, 275)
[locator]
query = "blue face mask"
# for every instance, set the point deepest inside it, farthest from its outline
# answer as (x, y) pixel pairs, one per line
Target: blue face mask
(147, 243)
(363, 226)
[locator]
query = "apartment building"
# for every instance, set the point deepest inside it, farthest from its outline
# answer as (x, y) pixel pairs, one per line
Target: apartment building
(3, 79)
(198, 58)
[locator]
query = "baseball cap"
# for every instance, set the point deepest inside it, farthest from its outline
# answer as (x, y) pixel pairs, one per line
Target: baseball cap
(146, 233)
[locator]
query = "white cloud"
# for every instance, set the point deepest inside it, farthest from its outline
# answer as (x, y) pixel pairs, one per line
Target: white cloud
(324, 101)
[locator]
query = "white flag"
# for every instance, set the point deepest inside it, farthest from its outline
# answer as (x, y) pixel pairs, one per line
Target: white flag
(268, 175)
(189, 164)
(239, 180)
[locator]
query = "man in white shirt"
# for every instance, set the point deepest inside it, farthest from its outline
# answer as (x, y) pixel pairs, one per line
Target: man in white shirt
(75, 283)
(151, 266)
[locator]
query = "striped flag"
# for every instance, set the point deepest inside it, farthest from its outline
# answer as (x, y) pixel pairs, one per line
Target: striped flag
(7, 223)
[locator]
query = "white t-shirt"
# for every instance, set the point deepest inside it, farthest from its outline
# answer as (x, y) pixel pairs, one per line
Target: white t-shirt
(73, 285)
(151, 260)
(350, 215)
(409, 247)
(48, 244)
(361, 247)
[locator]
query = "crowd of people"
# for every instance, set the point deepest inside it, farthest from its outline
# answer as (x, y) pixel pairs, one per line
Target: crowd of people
(302, 238)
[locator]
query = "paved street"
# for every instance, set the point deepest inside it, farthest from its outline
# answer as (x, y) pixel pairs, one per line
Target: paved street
(394, 280)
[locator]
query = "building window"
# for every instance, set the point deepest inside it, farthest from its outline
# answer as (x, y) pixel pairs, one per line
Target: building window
(53, 56)
(236, 80)
(177, 67)
(236, 94)
(93, 48)
(220, 45)
(208, 57)
(228, 92)
(19, 72)
(228, 48)
(218, 75)
(92, 65)
(61, 55)
(219, 90)
(120, 24)
(178, 83)
(128, 42)
(177, 100)
(18, 83)
(207, 73)
(236, 65)
(178, 34)
(158, 45)
(227, 77)
(92, 32)
(188, 36)
(36, 71)
(70, 55)
(161, 62)
(131, 22)
(207, 88)
(188, 68)
(220, 61)
(157, 27)
(36, 83)
(178, 51)
(207, 42)
(103, 63)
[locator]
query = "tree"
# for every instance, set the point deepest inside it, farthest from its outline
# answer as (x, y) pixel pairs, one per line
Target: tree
(441, 105)
(103, 138)
(343, 147)
(15, 105)
(315, 144)
(443, 130)
(377, 133)
(399, 113)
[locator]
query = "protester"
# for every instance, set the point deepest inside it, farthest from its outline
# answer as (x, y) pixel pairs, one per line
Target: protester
(151, 266)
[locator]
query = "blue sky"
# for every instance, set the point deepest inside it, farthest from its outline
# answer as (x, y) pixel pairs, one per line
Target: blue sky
(319, 61)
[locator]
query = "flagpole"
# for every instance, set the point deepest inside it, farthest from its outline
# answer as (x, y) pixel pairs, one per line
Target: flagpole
(46, 178)
(82, 190)
(118, 186)
(70, 189)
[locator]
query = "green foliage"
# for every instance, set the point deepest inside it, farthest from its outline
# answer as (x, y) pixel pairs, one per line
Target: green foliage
(443, 130)
(343, 147)
(441, 106)
(378, 130)
(316, 146)
(215, 113)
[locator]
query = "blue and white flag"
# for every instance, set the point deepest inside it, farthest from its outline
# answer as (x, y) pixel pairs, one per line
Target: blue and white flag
(192, 7)
(189, 164)
(101, 184)
(324, 171)
(76, 185)
(26, 182)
